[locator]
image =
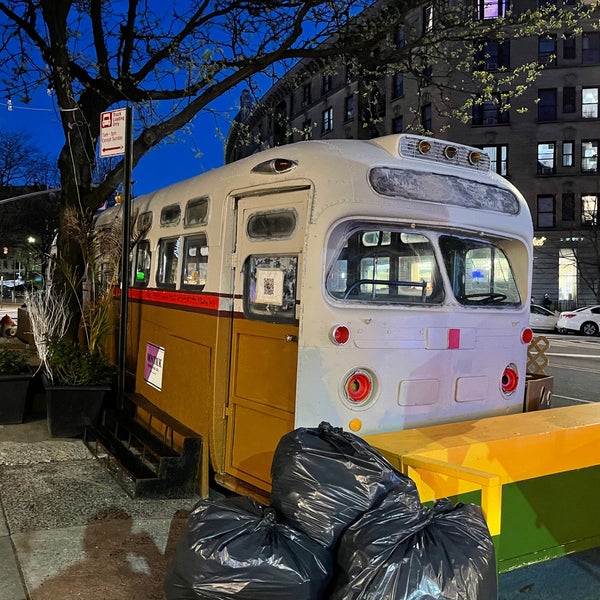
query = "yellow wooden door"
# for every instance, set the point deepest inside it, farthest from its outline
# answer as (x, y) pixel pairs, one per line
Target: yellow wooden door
(267, 258)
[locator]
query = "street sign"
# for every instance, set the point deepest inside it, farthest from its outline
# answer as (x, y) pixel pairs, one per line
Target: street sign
(112, 132)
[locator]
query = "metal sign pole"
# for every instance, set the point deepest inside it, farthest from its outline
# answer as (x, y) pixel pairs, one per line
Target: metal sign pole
(125, 258)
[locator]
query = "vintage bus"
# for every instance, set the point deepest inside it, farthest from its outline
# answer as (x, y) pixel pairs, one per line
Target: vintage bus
(377, 285)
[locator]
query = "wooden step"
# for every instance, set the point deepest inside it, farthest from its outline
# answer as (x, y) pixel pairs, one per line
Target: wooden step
(155, 457)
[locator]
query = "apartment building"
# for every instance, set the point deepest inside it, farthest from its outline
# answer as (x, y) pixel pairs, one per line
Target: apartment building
(546, 143)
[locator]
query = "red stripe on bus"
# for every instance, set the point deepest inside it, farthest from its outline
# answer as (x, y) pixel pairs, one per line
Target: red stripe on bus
(182, 299)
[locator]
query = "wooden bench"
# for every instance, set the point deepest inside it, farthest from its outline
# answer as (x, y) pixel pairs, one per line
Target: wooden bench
(487, 454)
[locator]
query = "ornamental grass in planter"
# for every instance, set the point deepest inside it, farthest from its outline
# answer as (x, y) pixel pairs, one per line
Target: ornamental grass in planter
(71, 321)
(15, 377)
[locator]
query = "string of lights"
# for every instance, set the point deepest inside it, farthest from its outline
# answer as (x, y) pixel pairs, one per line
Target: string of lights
(10, 106)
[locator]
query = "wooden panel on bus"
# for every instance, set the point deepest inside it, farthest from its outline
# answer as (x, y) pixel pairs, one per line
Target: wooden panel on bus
(261, 409)
(254, 433)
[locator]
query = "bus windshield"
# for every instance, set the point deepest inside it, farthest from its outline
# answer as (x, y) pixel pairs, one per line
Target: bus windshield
(400, 266)
(479, 272)
(386, 266)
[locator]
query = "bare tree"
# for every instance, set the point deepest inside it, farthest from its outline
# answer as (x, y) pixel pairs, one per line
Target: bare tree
(171, 60)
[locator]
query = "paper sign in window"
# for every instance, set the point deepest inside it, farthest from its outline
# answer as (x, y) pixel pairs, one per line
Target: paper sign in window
(269, 286)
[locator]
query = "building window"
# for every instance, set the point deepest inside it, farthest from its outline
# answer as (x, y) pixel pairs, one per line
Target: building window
(427, 19)
(307, 130)
(569, 104)
(498, 158)
(547, 50)
(426, 117)
(589, 210)
(492, 55)
(567, 274)
(327, 123)
(490, 9)
(349, 108)
(546, 161)
(569, 47)
(568, 207)
(545, 211)
(398, 85)
(547, 105)
(590, 48)
(568, 149)
(589, 156)
(399, 38)
(589, 103)
(306, 96)
(492, 112)
(326, 84)
(397, 124)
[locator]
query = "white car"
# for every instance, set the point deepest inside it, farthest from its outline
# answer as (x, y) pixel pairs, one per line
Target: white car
(584, 320)
(542, 319)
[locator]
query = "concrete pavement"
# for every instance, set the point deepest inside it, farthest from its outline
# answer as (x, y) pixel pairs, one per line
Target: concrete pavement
(68, 530)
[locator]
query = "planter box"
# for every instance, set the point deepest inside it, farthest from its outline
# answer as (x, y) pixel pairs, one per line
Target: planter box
(13, 398)
(70, 408)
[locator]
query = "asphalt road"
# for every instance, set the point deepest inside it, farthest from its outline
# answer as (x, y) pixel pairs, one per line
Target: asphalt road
(574, 362)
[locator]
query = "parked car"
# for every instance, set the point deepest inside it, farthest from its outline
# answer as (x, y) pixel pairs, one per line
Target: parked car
(542, 319)
(585, 320)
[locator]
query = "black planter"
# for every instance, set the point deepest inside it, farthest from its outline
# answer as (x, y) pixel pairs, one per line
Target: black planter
(13, 397)
(70, 408)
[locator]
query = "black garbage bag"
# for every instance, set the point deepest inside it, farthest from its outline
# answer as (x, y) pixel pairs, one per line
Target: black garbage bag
(324, 478)
(401, 551)
(236, 548)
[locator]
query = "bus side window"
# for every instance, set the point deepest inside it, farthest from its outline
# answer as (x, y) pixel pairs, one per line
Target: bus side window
(168, 261)
(142, 264)
(270, 288)
(195, 262)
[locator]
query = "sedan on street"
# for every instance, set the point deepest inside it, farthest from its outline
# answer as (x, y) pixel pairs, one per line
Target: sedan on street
(542, 319)
(584, 320)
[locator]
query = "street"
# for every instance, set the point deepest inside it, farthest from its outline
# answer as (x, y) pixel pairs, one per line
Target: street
(574, 362)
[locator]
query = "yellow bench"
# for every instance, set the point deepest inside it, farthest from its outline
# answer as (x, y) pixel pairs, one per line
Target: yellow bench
(455, 458)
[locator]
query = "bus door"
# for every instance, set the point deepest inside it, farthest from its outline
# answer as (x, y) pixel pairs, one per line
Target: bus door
(262, 384)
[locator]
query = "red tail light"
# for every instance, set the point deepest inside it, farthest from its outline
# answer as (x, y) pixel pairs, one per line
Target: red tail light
(510, 379)
(526, 335)
(358, 387)
(339, 334)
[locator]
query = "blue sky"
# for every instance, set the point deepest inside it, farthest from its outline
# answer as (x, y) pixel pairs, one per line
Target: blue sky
(173, 160)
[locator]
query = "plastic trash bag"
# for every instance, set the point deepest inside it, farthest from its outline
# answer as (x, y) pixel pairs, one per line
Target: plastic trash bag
(324, 478)
(401, 551)
(236, 548)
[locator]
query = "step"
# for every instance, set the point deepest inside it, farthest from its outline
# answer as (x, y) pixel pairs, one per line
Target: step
(145, 464)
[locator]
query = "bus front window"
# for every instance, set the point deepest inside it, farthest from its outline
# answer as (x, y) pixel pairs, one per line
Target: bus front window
(386, 266)
(479, 272)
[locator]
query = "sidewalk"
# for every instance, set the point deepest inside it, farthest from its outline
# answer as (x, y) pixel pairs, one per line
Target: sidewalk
(68, 530)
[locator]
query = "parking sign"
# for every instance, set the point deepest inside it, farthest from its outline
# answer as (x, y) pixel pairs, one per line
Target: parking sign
(112, 132)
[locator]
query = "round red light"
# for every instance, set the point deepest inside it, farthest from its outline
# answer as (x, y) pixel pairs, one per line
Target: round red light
(510, 379)
(358, 386)
(340, 334)
(527, 335)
